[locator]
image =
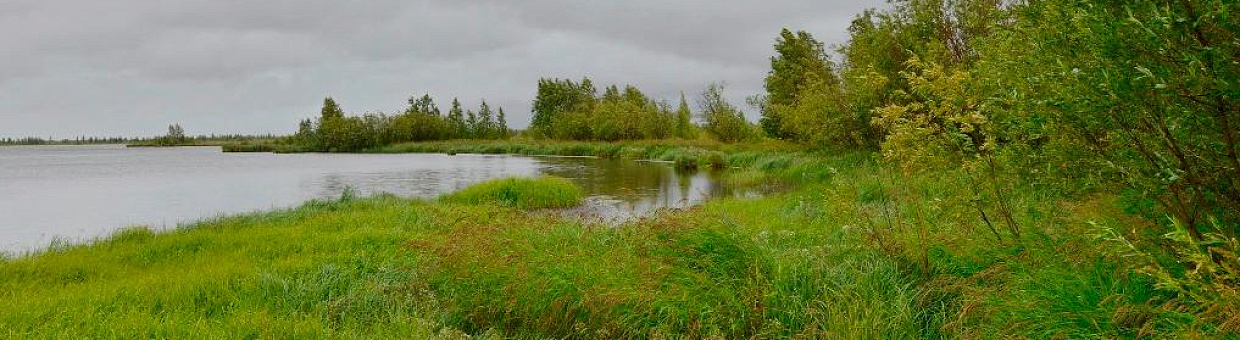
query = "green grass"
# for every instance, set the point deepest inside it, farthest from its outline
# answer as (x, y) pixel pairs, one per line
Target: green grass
(687, 154)
(327, 269)
(521, 193)
(852, 250)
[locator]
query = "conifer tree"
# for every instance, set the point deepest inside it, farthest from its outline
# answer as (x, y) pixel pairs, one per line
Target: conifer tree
(471, 124)
(485, 126)
(456, 119)
(331, 110)
(424, 105)
(503, 125)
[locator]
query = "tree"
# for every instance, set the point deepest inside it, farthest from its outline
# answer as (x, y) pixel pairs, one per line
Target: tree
(305, 132)
(456, 119)
(346, 134)
(338, 133)
(471, 125)
(882, 44)
(684, 120)
(722, 119)
(502, 127)
(175, 136)
(1147, 89)
(424, 105)
(557, 98)
(800, 61)
(485, 127)
(330, 110)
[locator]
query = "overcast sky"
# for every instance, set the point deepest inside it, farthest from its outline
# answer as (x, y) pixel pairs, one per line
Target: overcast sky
(131, 67)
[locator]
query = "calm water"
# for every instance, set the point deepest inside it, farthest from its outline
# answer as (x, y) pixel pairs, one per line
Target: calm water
(77, 193)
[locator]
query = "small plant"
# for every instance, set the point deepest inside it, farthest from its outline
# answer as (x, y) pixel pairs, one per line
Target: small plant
(348, 194)
(1205, 274)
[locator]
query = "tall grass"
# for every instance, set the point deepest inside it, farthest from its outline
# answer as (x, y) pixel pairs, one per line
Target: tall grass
(327, 269)
(521, 193)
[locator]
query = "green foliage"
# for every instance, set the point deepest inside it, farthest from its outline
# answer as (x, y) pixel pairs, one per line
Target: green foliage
(1204, 268)
(942, 123)
(557, 98)
(413, 126)
(566, 110)
(811, 100)
(424, 105)
(521, 193)
(175, 137)
(1148, 89)
(421, 121)
(685, 128)
(721, 119)
(1131, 97)
(456, 120)
(485, 126)
(501, 126)
(345, 134)
(331, 110)
(800, 66)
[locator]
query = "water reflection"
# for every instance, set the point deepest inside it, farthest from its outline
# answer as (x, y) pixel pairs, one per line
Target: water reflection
(628, 189)
(428, 177)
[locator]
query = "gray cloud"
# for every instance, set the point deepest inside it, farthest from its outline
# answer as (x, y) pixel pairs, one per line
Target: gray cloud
(130, 67)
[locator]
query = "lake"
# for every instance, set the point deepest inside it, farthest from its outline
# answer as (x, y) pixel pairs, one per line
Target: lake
(77, 193)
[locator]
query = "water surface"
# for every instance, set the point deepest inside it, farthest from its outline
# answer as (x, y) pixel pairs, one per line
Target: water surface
(76, 193)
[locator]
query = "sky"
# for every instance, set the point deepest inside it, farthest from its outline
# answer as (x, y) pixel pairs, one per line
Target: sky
(131, 67)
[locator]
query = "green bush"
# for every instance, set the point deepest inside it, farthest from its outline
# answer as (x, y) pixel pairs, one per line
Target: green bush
(521, 193)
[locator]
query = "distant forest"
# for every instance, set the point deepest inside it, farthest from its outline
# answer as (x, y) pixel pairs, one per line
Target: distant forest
(75, 141)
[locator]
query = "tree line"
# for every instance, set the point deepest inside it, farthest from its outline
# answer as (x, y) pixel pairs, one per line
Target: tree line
(564, 109)
(81, 140)
(421, 121)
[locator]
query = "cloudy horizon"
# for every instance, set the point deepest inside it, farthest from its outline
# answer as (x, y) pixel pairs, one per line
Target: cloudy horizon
(130, 68)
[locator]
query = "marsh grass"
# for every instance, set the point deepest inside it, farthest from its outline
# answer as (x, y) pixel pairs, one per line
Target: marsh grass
(853, 250)
(520, 193)
(326, 269)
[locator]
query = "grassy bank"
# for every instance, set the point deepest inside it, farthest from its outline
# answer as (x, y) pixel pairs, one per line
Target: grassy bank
(689, 154)
(205, 140)
(856, 250)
